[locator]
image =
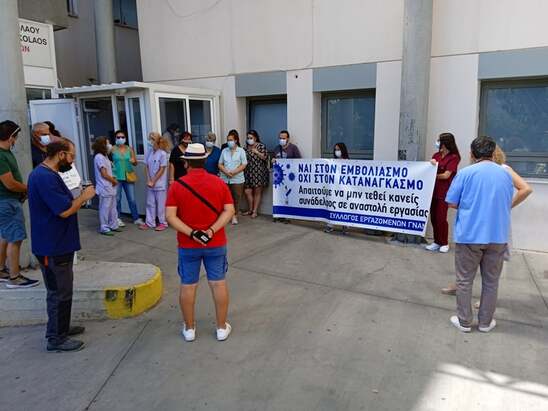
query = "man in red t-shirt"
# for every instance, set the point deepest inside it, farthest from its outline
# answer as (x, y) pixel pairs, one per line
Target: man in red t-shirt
(199, 206)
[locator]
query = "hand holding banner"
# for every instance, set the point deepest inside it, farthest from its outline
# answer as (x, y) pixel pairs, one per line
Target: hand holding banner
(379, 195)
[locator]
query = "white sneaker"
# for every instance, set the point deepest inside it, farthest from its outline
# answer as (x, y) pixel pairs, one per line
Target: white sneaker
(222, 334)
(433, 247)
(139, 221)
(189, 335)
(455, 321)
(488, 328)
(444, 249)
(234, 220)
(121, 223)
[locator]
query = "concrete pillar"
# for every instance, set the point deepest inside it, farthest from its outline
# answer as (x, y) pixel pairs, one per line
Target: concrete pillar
(415, 81)
(303, 113)
(104, 38)
(13, 102)
(417, 41)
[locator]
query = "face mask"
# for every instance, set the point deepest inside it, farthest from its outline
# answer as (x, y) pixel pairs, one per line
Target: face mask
(338, 153)
(150, 144)
(283, 141)
(250, 141)
(231, 144)
(437, 144)
(109, 147)
(120, 141)
(209, 144)
(45, 139)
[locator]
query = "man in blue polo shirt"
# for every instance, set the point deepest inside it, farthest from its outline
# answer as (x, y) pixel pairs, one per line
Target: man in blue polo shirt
(482, 194)
(55, 239)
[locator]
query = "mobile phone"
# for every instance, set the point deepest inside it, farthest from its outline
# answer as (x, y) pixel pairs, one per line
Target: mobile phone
(202, 236)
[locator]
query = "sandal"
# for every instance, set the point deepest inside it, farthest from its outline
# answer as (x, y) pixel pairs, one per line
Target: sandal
(254, 214)
(249, 212)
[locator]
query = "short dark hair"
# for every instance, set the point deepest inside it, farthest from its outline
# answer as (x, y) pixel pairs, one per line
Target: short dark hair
(285, 132)
(120, 132)
(483, 147)
(186, 134)
(196, 162)
(8, 128)
(56, 147)
(235, 133)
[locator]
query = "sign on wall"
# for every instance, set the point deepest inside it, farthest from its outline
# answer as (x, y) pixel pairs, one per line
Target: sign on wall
(380, 195)
(36, 43)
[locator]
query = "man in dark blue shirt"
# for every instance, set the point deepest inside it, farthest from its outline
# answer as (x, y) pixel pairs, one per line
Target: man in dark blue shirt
(55, 238)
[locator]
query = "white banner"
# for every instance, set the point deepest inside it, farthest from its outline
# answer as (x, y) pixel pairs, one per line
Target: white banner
(380, 195)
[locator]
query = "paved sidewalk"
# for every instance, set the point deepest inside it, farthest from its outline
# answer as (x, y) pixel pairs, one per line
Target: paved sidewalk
(321, 322)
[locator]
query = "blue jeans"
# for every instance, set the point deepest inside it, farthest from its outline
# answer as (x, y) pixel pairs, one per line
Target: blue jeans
(129, 189)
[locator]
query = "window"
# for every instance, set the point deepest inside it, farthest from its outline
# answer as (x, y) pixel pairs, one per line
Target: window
(136, 125)
(125, 13)
(515, 114)
(200, 120)
(37, 93)
(349, 118)
(268, 118)
(72, 8)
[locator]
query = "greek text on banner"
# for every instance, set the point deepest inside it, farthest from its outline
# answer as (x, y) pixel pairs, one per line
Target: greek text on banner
(379, 195)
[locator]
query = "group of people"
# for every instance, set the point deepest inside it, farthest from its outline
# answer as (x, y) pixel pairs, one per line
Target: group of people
(483, 195)
(184, 190)
(245, 170)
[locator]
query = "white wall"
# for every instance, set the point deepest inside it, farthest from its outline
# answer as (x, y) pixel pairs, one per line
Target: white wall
(241, 36)
(454, 102)
(387, 110)
(471, 26)
(303, 112)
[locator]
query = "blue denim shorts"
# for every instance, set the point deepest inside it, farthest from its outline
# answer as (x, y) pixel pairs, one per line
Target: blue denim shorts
(12, 222)
(190, 262)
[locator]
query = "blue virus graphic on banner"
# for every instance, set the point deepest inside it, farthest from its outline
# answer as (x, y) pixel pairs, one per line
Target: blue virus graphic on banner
(278, 175)
(279, 178)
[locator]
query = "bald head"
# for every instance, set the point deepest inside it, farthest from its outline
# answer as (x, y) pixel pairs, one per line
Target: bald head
(39, 129)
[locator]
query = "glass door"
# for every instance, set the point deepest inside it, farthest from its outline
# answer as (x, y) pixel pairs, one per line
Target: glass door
(173, 114)
(201, 119)
(135, 119)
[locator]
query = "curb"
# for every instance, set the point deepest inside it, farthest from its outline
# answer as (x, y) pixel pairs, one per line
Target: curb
(125, 302)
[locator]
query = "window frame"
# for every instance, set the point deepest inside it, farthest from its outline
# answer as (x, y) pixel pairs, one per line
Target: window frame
(326, 152)
(505, 84)
(121, 22)
(72, 8)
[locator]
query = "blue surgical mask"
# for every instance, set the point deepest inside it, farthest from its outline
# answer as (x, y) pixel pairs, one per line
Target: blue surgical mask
(437, 144)
(283, 141)
(120, 141)
(231, 144)
(338, 153)
(45, 139)
(209, 144)
(109, 147)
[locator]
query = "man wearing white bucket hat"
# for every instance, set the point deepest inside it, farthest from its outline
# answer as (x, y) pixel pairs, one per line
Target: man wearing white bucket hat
(199, 205)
